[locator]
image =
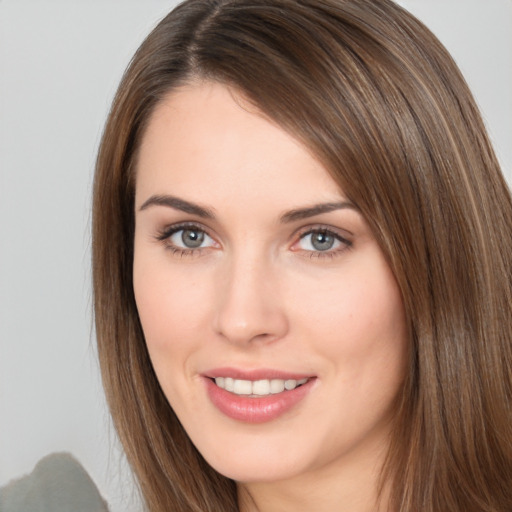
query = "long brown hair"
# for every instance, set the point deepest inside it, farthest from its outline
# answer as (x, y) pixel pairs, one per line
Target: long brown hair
(378, 100)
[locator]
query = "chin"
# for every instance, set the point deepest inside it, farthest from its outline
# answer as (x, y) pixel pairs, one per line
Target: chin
(253, 471)
(256, 461)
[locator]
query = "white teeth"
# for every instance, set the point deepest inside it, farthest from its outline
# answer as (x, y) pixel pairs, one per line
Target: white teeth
(276, 386)
(229, 384)
(258, 387)
(242, 387)
(261, 387)
(290, 384)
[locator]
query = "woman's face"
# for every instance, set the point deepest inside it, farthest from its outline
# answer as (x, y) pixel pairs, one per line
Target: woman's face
(273, 322)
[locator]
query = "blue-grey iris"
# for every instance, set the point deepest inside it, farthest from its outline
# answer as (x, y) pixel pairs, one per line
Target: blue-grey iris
(322, 241)
(192, 238)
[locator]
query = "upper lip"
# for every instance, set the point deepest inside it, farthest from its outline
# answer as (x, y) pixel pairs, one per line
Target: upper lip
(255, 374)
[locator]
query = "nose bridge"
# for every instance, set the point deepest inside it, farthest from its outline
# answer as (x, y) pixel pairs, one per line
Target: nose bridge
(249, 306)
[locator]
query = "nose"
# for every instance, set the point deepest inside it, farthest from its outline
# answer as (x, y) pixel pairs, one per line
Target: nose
(249, 306)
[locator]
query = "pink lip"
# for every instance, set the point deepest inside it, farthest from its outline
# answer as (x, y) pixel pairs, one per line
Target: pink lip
(255, 410)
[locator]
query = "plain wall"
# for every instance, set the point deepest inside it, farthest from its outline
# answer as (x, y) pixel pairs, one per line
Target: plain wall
(60, 62)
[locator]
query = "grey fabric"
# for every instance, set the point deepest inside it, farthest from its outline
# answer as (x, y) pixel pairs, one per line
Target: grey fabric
(58, 484)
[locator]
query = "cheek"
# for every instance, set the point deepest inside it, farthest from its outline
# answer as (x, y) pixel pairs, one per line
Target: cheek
(171, 305)
(171, 309)
(357, 318)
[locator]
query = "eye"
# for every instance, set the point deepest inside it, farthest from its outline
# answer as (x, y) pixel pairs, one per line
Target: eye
(318, 241)
(190, 238)
(186, 239)
(321, 240)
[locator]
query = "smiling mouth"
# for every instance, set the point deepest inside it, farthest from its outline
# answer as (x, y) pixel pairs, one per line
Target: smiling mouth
(257, 388)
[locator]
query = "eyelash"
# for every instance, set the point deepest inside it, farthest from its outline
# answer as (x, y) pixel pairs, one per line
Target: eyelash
(165, 235)
(345, 244)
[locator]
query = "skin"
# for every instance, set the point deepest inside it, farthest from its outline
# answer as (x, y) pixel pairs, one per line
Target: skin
(258, 293)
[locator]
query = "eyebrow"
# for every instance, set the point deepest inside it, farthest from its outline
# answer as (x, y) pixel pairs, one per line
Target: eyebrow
(311, 211)
(291, 216)
(178, 204)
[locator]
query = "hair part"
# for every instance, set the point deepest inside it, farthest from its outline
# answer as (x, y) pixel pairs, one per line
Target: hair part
(377, 99)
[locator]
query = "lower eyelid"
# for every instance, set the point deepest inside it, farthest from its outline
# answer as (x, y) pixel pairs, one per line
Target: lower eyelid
(182, 252)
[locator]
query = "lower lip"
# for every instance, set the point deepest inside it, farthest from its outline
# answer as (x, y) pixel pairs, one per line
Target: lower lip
(255, 410)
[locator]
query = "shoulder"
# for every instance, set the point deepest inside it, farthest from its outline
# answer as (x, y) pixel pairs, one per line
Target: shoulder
(58, 483)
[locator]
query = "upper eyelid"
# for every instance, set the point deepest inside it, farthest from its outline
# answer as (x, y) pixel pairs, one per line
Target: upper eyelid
(170, 229)
(342, 233)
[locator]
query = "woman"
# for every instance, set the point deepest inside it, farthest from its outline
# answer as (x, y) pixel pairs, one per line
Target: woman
(302, 265)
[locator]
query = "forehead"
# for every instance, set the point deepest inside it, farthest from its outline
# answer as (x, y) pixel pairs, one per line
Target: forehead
(205, 139)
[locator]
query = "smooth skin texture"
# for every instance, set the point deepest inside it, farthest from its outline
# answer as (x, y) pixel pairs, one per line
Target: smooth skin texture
(249, 283)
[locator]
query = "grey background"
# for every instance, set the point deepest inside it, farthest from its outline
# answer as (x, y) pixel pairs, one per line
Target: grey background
(60, 62)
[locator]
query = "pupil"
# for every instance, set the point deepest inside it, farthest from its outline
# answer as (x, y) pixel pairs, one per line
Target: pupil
(322, 241)
(191, 238)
